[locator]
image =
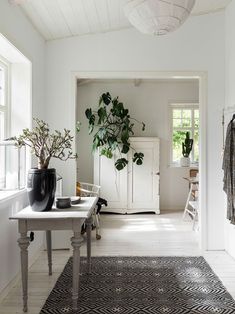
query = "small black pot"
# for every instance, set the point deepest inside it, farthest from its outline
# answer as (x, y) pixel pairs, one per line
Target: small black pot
(41, 187)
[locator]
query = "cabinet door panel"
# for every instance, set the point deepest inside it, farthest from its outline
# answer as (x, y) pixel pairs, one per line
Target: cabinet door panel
(113, 183)
(143, 181)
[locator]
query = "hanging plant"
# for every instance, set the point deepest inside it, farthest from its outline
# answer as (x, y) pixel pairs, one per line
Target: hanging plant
(115, 126)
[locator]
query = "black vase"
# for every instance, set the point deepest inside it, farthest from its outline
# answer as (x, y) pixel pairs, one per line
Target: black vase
(41, 186)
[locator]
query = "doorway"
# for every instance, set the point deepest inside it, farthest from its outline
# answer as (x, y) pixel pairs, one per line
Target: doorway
(86, 78)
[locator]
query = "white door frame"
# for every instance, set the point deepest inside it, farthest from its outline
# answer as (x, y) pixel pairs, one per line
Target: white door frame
(202, 78)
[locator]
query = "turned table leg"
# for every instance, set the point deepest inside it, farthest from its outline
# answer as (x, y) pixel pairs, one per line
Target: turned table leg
(23, 242)
(49, 255)
(88, 232)
(76, 242)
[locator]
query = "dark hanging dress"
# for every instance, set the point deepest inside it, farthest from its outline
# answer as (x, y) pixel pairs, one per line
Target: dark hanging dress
(229, 170)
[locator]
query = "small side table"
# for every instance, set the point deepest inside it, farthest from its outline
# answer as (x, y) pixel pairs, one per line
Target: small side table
(56, 219)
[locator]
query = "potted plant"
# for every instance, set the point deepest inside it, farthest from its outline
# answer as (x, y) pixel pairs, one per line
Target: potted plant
(187, 146)
(41, 183)
(113, 127)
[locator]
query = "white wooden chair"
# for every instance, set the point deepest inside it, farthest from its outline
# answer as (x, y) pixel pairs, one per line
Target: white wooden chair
(194, 211)
(191, 206)
(88, 189)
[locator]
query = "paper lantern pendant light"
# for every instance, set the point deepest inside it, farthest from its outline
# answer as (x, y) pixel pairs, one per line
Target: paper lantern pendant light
(157, 17)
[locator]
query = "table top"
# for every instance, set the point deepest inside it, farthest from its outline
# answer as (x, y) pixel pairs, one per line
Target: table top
(81, 210)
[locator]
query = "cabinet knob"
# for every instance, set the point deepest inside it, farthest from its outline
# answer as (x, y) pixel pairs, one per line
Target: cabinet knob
(157, 173)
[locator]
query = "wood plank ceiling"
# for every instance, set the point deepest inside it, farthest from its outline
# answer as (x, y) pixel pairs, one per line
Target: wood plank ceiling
(56, 19)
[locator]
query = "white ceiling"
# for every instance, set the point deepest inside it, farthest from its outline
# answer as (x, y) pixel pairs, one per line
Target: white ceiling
(65, 18)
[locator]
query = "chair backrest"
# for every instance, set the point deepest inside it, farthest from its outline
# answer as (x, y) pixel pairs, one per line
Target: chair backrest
(87, 189)
(193, 173)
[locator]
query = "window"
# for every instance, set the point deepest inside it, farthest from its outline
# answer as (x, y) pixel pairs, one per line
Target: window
(4, 107)
(15, 114)
(184, 118)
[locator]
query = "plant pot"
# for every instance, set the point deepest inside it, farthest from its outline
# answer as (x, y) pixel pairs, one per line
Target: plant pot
(41, 186)
(184, 161)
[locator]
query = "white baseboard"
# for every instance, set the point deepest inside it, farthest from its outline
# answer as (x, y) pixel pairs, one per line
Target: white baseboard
(142, 211)
(129, 211)
(167, 209)
(16, 279)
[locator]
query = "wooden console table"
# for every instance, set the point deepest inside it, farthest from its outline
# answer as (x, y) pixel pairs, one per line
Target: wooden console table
(56, 219)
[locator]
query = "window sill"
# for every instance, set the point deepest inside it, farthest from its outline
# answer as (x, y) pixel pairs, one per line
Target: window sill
(192, 166)
(8, 195)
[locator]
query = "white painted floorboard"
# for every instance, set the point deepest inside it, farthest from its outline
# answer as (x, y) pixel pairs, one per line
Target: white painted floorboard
(147, 234)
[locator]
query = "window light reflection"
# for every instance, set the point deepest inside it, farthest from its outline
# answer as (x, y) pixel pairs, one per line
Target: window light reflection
(147, 226)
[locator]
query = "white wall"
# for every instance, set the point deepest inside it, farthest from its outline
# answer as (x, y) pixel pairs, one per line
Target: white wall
(10, 257)
(230, 54)
(148, 102)
(17, 29)
(198, 45)
(20, 32)
(20, 97)
(230, 99)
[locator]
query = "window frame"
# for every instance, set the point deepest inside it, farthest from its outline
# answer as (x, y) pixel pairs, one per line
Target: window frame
(6, 107)
(180, 106)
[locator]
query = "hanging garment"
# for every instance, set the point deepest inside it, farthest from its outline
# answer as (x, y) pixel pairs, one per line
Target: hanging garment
(229, 169)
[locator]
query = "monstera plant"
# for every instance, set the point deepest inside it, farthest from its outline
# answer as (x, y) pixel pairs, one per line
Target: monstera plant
(112, 126)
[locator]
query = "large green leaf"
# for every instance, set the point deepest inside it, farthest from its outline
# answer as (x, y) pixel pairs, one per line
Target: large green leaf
(115, 101)
(118, 109)
(91, 123)
(102, 133)
(106, 152)
(125, 148)
(102, 113)
(121, 163)
(96, 143)
(138, 158)
(112, 142)
(91, 128)
(124, 136)
(88, 113)
(106, 98)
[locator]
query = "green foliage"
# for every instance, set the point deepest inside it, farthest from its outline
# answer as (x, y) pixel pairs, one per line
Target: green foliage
(138, 158)
(177, 139)
(115, 126)
(45, 145)
(121, 163)
(187, 145)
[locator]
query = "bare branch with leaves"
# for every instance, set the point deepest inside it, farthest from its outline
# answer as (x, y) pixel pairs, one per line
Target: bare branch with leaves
(45, 145)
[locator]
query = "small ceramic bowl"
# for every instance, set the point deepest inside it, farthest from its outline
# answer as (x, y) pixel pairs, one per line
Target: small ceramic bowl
(75, 200)
(63, 202)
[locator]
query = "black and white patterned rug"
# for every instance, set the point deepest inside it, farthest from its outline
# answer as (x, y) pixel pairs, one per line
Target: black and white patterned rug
(142, 285)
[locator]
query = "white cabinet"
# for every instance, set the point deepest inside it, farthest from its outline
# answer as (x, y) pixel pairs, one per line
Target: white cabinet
(135, 188)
